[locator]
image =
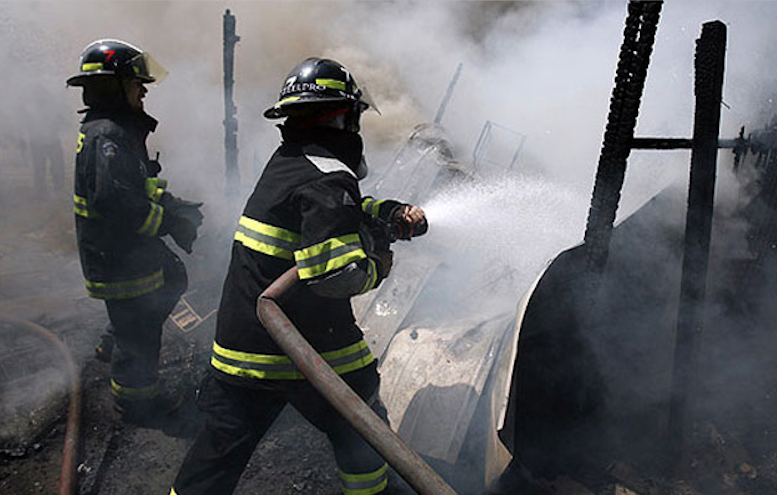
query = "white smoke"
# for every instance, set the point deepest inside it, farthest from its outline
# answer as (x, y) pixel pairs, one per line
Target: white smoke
(542, 69)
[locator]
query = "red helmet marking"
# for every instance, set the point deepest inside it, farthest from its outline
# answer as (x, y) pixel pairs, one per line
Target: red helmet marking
(110, 54)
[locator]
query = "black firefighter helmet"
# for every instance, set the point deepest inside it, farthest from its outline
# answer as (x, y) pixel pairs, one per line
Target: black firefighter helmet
(318, 85)
(118, 58)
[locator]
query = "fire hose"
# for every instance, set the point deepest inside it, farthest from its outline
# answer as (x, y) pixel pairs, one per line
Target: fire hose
(68, 476)
(352, 408)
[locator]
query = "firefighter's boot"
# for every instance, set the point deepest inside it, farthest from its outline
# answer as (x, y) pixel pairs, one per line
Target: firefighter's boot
(149, 412)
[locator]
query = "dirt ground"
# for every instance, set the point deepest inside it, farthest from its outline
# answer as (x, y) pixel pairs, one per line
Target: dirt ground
(115, 458)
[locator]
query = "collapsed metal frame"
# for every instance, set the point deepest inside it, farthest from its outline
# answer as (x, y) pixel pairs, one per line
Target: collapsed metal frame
(480, 151)
(619, 140)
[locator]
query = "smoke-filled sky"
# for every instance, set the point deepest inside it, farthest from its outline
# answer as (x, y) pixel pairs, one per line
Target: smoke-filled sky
(543, 69)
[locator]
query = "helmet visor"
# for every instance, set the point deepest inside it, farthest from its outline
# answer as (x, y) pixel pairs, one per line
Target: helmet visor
(367, 98)
(145, 67)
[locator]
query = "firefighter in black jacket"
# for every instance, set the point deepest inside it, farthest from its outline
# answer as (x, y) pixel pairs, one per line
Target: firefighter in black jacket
(122, 211)
(306, 210)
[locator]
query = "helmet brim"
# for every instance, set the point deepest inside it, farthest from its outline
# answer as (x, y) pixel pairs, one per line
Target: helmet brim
(304, 104)
(83, 78)
(142, 66)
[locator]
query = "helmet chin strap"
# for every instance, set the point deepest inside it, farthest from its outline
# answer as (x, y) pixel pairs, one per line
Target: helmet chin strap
(352, 119)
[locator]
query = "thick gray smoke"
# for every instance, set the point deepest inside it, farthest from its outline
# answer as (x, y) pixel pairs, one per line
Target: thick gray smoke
(542, 69)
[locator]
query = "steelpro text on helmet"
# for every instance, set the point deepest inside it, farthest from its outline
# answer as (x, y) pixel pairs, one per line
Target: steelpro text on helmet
(317, 85)
(117, 58)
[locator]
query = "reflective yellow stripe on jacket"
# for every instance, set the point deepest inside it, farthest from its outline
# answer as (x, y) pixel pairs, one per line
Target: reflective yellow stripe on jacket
(150, 226)
(81, 208)
(155, 187)
(280, 367)
(365, 484)
(372, 277)
(153, 221)
(329, 255)
(267, 239)
(371, 206)
(126, 289)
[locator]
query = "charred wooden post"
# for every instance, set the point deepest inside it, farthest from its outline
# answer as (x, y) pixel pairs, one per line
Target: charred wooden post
(738, 145)
(230, 120)
(709, 66)
(638, 38)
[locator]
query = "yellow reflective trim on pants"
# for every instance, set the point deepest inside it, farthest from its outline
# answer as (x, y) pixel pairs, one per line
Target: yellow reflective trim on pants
(364, 476)
(134, 393)
(126, 289)
(281, 367)
(345, 351)
(328, 255)
(258, 374)
(366, 483)
(354, 365)
(92, 66)
(153, 221)
(251, 357)
(331, 83)
(173, 492)
(367, 491)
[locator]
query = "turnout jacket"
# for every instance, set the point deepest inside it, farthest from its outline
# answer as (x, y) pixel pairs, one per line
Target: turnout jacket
(306, 210)
(118, 216)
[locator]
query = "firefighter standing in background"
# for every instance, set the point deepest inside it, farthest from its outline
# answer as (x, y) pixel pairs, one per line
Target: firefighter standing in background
(306, 210)
(122, 211)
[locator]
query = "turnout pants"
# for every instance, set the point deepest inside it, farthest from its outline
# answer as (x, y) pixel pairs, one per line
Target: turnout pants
(136, 325)
(237, 417)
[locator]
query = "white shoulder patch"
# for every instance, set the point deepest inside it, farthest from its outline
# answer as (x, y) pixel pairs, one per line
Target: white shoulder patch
(329, 165)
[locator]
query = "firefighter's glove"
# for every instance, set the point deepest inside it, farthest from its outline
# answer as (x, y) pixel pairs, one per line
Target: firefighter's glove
(183, 233)
(408, 221)
(182, 218)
